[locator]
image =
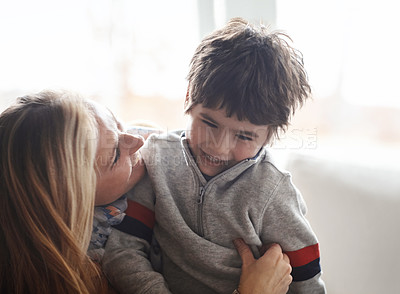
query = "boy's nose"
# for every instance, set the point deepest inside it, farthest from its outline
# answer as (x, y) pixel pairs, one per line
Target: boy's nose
(222, 146)
(132, 142)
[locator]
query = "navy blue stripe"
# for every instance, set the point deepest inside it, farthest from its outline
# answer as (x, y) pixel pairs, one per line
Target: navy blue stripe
(135, 228)
(306, 271)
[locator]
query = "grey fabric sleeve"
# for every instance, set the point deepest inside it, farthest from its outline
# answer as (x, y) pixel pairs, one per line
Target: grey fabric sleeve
(127, 267)
(284, 222)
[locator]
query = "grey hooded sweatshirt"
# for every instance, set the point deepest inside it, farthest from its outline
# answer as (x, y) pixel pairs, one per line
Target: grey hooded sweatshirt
(197, 220)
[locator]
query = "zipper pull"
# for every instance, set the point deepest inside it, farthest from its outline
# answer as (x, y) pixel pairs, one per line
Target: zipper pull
(201, 196)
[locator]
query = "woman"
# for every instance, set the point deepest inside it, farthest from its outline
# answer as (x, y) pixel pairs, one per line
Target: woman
(47, 191)
(55, 151)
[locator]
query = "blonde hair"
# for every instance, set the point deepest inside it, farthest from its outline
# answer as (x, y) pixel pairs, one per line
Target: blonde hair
(47, 189)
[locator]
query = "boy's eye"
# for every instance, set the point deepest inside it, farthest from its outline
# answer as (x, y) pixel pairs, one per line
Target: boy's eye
(210, 124)
(117, 155)
(245, 138)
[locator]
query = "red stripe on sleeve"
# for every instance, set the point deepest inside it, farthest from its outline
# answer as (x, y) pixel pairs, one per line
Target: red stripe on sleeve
(303, 256)
(141, 213)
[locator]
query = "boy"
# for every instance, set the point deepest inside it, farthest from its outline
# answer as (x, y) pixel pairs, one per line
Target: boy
(216, 182)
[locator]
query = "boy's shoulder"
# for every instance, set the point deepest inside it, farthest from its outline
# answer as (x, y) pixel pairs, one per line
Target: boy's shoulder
(267, 164)
(165, 137)
(171, 135)
(163, 140)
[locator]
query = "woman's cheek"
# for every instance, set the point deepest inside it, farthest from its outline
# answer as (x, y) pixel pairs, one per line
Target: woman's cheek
(138, 172)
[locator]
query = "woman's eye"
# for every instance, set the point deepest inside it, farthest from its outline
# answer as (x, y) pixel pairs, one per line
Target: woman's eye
(117, 155)
(210, 124)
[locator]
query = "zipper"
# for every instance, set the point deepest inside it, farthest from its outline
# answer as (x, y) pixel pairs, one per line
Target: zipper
(200, 198)
(200, 211)
(201, 195)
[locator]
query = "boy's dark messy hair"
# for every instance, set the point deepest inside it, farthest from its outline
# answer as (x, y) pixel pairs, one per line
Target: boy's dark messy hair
(252, 73)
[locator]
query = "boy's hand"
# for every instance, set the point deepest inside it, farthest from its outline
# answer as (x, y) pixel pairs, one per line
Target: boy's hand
(270, 274)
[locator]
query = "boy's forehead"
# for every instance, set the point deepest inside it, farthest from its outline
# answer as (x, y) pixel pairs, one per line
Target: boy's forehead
(220, 116)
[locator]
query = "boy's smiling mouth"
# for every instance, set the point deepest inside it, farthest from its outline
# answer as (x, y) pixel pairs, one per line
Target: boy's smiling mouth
(211, 160)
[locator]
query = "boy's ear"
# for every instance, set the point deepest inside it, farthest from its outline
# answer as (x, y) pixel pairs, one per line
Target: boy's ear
(186, 103)
(270, 136)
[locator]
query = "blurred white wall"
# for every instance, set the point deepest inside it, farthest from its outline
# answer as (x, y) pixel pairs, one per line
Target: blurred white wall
(117, 49)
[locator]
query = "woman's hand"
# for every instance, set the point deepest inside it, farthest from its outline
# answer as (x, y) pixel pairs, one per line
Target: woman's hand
(270, 274)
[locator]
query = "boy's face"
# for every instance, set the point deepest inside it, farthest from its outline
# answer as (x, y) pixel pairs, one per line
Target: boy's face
(219, 142)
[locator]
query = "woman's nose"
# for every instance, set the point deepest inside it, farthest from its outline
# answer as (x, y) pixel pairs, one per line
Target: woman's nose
(132, 142)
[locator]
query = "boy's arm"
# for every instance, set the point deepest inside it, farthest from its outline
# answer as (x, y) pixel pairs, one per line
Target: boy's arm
(285, 223)
(126, 260)
(127, 267)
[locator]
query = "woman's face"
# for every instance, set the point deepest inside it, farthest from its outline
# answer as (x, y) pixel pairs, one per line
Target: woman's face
(119, 164)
